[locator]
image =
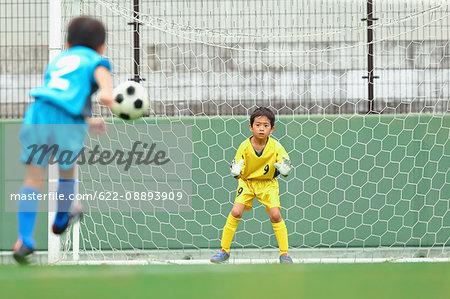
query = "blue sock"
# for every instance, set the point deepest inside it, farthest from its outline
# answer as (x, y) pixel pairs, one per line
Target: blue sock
(26, 214)
(67, 188)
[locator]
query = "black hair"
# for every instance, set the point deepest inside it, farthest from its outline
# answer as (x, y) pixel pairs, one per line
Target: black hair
(263, 111)
(86, 31)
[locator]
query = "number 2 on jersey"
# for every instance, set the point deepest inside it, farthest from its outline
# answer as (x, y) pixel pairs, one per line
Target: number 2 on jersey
(65, 66)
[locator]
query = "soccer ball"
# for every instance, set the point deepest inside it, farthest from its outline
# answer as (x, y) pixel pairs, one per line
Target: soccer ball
(131, 100)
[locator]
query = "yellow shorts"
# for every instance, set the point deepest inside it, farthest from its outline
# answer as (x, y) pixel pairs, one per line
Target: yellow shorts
(266, 191)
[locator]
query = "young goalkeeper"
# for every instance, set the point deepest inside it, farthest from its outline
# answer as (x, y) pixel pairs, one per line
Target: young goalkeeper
(258, 161)
(60, 117)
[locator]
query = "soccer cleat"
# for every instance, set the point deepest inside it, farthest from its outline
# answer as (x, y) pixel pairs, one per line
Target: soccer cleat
(285, 259)
(220, 257)
(75, 215)
(21, 252)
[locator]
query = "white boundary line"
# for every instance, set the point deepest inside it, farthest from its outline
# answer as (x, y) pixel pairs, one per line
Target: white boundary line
(41, 259)
(263, 261)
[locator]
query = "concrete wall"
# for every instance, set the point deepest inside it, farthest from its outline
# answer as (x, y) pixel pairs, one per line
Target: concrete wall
(314, 53)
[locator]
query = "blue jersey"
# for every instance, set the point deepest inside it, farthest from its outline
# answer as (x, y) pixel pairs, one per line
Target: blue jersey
(69, 80)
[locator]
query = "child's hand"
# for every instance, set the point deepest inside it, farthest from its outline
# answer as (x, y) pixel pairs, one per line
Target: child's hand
(106, 98)
(236, 168)
(97, 126)
(285, 167)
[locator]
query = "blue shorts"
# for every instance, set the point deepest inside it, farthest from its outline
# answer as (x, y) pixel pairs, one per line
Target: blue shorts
(49, 134)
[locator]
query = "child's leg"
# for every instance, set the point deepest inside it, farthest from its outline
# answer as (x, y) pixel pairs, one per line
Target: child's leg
(230, 227)
(66, 186)
(26, 212)
(279, 227)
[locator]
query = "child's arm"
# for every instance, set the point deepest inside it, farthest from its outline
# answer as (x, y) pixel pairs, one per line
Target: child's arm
(104, 81)
(283, 163)
(105, 95)
(97, 126)
(285, 167)
(236, 168)
(237, 163)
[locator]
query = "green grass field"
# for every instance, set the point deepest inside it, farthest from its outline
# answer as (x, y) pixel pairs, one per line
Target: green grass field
(386, 280)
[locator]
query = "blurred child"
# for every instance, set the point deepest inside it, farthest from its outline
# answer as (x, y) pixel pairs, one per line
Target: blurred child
(60, 116)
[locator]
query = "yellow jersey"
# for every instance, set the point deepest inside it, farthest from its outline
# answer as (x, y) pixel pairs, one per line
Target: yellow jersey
(260, 165)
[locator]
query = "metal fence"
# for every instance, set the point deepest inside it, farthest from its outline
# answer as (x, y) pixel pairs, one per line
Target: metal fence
(225, 57)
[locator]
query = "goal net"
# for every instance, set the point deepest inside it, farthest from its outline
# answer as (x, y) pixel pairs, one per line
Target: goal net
(368, 183)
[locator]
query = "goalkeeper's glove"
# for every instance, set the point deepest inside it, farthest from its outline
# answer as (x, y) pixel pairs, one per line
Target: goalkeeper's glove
(236, 167)
(285, 167)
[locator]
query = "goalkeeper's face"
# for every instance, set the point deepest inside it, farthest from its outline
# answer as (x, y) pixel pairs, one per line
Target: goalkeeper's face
(261, 127)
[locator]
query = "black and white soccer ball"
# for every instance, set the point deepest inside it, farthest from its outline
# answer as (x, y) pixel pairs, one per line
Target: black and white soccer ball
(131, 100)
